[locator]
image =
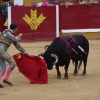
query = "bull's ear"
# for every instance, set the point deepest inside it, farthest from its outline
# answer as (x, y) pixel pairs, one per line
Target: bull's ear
(41, 54)
(46, 47)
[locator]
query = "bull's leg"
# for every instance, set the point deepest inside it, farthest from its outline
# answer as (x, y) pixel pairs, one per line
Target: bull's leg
(75, 70)
(85, 63)
(66, 73)
(84, 71)
(58, 72)
(66, 70)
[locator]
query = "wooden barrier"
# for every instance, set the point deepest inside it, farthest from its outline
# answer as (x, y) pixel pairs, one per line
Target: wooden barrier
(35, 23)
(2, 21)
(40, 23)
(79, 17)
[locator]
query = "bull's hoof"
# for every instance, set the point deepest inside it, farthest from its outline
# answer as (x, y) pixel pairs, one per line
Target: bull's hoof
(65, 77)
(58, 77)
(75, 74)
(83, 74)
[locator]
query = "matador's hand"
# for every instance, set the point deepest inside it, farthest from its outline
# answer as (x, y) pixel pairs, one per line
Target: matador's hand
(20, 35)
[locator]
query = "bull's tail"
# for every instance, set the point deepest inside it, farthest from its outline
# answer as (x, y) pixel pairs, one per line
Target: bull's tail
(73, 62)
(79, 65)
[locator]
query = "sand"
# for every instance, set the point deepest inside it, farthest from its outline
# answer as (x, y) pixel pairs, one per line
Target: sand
(75, 88)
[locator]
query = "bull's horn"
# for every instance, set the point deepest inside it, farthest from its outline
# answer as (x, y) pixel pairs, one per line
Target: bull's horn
(41, 54)
(56, 57)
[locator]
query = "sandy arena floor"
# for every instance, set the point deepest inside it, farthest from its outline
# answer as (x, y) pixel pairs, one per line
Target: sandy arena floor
(75, 88)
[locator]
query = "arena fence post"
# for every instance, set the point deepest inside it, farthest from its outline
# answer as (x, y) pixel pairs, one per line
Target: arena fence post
(9, 16)
(57, 21)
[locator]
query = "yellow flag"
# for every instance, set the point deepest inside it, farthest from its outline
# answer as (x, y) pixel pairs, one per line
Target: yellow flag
(6, 23)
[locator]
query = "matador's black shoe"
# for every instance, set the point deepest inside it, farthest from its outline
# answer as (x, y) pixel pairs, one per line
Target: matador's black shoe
(9, 83)
(1, 86)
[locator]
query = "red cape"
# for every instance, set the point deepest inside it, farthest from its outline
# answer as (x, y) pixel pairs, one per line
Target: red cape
(32, 67)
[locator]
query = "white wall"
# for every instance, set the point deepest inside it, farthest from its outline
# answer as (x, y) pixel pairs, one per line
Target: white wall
(19, 2)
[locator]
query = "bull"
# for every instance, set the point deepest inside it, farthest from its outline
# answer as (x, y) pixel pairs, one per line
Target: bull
(65, 48)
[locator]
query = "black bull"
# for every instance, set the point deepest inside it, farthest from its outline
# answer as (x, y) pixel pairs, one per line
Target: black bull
(62, 49)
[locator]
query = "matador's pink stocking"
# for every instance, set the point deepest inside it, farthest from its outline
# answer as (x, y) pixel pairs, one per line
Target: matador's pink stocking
(8, 74)
(1, 74)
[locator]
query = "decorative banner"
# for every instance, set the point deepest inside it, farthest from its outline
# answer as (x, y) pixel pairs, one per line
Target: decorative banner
(35, 23)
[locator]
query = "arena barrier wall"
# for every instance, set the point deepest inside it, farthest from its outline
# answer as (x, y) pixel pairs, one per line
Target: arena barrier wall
(44, 23)
(81, 19)
(2, 21)
(35, 23)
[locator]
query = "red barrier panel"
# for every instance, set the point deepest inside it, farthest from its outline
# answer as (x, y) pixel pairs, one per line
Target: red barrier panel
(2, 20)
(40, 23)
(79, 17)
(35, 23)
